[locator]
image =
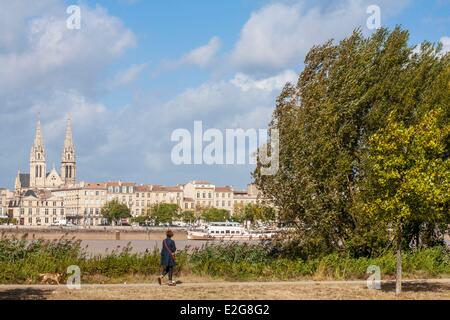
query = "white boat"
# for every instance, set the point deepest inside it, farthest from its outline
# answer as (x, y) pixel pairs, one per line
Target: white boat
(228, 231)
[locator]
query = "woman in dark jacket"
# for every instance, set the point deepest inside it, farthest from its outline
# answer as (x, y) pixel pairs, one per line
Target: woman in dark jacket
(168, 258)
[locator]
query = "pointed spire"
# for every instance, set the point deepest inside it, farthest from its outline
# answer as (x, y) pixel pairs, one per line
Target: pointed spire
(38, 140)
(68, 142)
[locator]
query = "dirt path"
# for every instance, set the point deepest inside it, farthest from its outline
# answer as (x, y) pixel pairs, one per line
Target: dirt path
(412, 289)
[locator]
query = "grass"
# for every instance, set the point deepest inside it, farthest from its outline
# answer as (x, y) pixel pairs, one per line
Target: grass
(22, 261)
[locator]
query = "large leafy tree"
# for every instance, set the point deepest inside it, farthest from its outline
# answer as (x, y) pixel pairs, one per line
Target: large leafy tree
(408, 177)
(253, 212)
(325, 123)
(114, 211)
(163, 212)
(215, 215)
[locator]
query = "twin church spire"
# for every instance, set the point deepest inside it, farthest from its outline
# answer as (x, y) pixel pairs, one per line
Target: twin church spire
(38, 172)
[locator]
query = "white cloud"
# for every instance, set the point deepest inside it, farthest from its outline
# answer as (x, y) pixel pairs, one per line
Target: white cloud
(279, 35)
(128, 75)
(277, 82)
(445, 44)
(52, 56)
(204, 55)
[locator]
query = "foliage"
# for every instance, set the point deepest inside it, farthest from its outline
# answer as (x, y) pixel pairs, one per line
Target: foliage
(114, 211)
(188, 216)
(253, 212)
(22, 261)
(332, 127)
(8, 221)
(408, 174)
(163, 212)
(215, 215)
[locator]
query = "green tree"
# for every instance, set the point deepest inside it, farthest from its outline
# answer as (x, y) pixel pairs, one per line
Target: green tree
(163, 212)
(114, 211)
(188, 216)
(408, 176)
(325, 121)
(253, 212)
(215, 215)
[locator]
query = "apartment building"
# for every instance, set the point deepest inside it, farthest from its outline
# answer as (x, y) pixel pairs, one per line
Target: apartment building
(147, 195)
(202, 192)
(3, 202)
(83, 204)
(223, 198)
(40, 208)
(249, 196)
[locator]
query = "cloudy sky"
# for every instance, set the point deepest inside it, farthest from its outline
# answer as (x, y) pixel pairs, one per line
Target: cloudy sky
(137, 70)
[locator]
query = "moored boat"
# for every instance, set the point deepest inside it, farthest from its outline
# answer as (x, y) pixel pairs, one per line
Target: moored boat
(228, 231)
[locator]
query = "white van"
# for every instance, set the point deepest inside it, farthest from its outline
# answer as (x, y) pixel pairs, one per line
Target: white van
(60, 222)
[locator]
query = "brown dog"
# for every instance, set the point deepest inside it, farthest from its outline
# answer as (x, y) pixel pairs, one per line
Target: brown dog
(52, 277)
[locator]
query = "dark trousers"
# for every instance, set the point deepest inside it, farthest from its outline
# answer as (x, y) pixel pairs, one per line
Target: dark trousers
(168, 270)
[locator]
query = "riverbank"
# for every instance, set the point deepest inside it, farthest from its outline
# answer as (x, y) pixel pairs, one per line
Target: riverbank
(91, 233)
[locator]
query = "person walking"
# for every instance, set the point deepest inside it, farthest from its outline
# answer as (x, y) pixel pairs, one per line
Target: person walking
(168, 258)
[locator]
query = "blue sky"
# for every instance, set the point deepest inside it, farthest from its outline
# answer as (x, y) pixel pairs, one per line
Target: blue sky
(137, 70)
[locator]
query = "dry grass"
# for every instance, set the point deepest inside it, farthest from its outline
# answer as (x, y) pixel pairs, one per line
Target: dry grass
(431, 289)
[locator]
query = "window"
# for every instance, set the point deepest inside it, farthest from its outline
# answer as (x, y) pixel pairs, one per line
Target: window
(198, 194)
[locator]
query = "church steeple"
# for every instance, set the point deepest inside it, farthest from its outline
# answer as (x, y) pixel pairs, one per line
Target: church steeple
(68, 162)
(37, 159)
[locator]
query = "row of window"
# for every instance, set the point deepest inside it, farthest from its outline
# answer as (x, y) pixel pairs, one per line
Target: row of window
(203, 195)
(142, 195)
(123, 189)
(225, 232)
(37, 211)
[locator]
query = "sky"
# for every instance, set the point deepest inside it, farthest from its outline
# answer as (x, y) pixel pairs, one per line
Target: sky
(137, 70)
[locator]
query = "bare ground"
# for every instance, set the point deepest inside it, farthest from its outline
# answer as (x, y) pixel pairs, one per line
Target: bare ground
(337, 290)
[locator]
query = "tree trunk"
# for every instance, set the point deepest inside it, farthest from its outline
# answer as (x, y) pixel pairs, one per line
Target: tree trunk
(398, 278)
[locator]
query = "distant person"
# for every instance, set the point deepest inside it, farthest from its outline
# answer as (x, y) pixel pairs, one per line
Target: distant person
(168, 258)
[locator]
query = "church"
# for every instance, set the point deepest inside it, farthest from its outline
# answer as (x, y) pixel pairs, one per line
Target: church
(39, 178)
